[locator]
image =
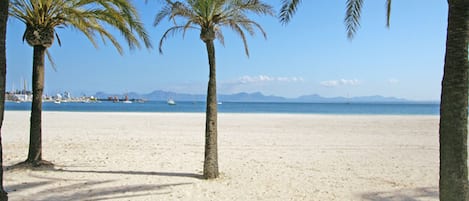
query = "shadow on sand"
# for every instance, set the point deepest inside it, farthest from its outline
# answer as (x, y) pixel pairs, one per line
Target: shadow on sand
(53, 188)
(167, 174)
(90, 191)
(428, 193)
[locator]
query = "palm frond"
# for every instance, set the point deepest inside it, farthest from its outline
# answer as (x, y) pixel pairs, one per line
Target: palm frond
(237, 29)
(353, 12)
(51, 61)
(58, 39)
(90, 17)
(352, 17)
(388, 13)
(170, 32)
(259, 27)
(187, 26)
(220, 37)
(163, 13)
(210, 16)
(259, 8)
(288, 9)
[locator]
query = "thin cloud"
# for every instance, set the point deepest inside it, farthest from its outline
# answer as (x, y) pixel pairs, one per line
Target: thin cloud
(256, 83)
(393, 81)
(265, 78)
(341, 82)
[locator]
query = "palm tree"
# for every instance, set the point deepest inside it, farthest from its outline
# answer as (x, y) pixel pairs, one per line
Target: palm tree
(453, 106)
(3, 67)
(453, 184)
(41, 17)
(209, 16)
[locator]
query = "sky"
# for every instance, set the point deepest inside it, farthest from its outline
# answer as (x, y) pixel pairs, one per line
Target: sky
(310, 55)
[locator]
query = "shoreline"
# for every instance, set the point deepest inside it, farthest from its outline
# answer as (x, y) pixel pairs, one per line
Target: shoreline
(227, 113)
(243, 108)
(158, 156)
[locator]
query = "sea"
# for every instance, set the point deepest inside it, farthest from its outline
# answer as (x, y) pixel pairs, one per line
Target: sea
(239, 107)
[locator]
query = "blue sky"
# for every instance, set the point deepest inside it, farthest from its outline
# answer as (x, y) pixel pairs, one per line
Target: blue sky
(311, 55)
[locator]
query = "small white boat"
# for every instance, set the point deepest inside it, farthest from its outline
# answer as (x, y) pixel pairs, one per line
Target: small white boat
(127, 100)
(171, 102)
(57, 101)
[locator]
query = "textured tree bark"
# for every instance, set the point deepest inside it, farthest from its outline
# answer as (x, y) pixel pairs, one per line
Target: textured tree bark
(35, 138)
(3, 68)
(211, 149)
(454, 102)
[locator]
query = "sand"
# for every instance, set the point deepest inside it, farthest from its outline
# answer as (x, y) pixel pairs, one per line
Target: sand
(159, 156)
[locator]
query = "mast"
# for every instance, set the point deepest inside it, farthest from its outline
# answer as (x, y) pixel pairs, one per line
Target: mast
(25, 86)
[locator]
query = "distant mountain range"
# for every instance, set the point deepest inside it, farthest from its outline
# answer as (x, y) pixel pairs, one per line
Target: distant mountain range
(159, 95)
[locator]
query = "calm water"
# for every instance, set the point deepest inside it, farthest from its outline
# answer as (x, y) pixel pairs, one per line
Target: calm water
(234, 107)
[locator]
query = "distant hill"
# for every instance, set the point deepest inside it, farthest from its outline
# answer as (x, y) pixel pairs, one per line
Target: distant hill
(251, 97)
(159, 95)
(361, 99)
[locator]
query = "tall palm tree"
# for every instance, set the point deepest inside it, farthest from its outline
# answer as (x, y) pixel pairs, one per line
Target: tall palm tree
(453, 184)
(209, 16)
(3, 67)
(90, 17)
(453, 106)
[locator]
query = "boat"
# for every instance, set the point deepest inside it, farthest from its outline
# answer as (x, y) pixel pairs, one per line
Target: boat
(127, 100)
(58, 99)
(171, 102)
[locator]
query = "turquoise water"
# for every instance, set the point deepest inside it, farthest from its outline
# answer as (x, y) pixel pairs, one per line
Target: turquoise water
(238, 107)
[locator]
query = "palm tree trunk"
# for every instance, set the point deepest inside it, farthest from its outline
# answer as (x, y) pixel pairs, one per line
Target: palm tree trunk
(35, 139)
(454, 103)
(211, 149)
(3, 68)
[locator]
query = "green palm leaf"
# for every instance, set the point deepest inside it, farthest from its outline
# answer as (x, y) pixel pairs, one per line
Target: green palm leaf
(212, 16)
(352, 14)
(90, 17)
(289, 8)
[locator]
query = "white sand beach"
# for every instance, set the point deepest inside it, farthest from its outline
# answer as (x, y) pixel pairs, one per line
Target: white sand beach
(159, 156)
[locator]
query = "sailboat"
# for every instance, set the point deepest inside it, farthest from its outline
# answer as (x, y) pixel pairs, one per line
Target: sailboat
(171, 102)
(23, 95)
